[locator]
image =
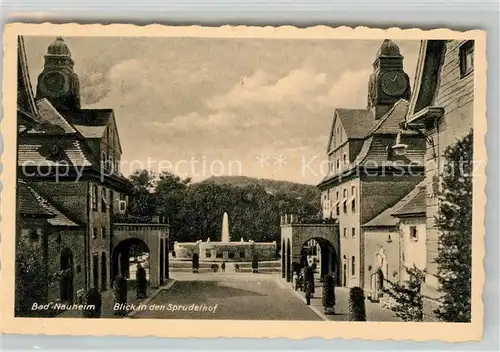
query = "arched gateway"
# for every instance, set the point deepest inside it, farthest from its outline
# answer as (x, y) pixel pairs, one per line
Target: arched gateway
(153, 237)
(308, 243)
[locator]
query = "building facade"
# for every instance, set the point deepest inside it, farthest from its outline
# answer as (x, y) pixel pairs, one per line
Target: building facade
(367, 173)
(442, 109)
(69, 159)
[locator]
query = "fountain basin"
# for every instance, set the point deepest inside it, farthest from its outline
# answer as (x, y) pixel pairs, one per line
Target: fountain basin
(226, 251)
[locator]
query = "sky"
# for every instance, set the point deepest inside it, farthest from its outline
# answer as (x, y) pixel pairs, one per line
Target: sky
(202, 107)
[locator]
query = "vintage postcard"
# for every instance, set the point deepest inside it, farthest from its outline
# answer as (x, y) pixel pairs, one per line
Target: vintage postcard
(243, 182)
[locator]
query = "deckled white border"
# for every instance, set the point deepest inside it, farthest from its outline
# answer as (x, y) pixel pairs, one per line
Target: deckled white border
(244, 329)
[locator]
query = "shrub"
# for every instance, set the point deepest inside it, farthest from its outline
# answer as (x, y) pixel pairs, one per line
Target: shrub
(93, 297)
(309, 278)
(329, 294)
(215, 268)
(141, 282)
(454, 221)
(357, 311)
(407, 296)
(120, 294)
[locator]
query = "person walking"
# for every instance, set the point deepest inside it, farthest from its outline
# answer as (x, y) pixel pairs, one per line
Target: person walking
(223, 266)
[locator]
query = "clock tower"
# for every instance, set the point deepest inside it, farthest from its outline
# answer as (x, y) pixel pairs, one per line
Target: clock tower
(388, 82)
(58, 82)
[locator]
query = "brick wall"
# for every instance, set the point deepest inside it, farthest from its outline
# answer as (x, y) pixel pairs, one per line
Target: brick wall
(60, 239)
(70, 197)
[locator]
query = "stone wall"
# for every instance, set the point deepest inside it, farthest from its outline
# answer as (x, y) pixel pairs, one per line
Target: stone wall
(232, 251)
(60, 239)
(455, 94)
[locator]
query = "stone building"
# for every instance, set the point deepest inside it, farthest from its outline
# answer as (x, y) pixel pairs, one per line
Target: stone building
(69, 157)
(367, 173)
(394, 240)
(441, 108)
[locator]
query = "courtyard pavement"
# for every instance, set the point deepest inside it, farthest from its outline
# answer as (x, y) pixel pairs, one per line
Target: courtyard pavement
(237, 296)
(374, 312)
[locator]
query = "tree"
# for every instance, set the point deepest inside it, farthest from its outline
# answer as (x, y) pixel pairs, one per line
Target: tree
(357, 310)
(329, 294)
(454, 221)
(142, 201)
(31, 279)
(407, 295)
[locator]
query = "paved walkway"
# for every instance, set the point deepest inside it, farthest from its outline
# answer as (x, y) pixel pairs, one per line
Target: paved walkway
(373, 310)
(235, 296)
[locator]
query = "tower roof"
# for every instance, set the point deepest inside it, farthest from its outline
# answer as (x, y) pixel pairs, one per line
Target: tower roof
(388, 49)
(58, 48)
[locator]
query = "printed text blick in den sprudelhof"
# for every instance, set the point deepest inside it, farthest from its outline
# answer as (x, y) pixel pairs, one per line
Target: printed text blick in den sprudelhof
(168, 307)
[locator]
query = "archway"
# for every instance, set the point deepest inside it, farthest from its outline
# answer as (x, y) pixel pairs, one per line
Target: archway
(288, 261)
(321, 255)
(66, 281)
(127, 255)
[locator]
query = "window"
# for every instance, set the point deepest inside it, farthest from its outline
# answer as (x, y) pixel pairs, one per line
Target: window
(104, 200)
(353, 265)
(231, 255)
(242, 254)
(218, 255)
(338, 163)
(345, 158)
(353, 190)
(337, 195)
(345, 192)
(353, 232)
(345, 206)
(466, 58)
(345, 232)
(337, 210)
(353, 205)
(413, 233)
(208, 253)
(94, 232)
(93, 195)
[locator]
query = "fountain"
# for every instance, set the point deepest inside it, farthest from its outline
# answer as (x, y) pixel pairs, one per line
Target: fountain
(225, 229)
(225, 250)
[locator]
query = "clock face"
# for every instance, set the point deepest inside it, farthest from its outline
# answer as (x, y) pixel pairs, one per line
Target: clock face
(54, 82)
(393, 83)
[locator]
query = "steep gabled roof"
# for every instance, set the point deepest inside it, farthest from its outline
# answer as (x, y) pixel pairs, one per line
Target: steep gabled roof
(92, 123)
(416, 203)
(27, 203)
(57, 218)
(37, 152)
(25, 97)
(412, 200)
(390, 122)
(355, 122)
(429, 62)
(51, 122)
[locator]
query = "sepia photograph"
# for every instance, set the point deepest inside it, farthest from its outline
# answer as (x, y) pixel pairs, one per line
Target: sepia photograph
(248, 178)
